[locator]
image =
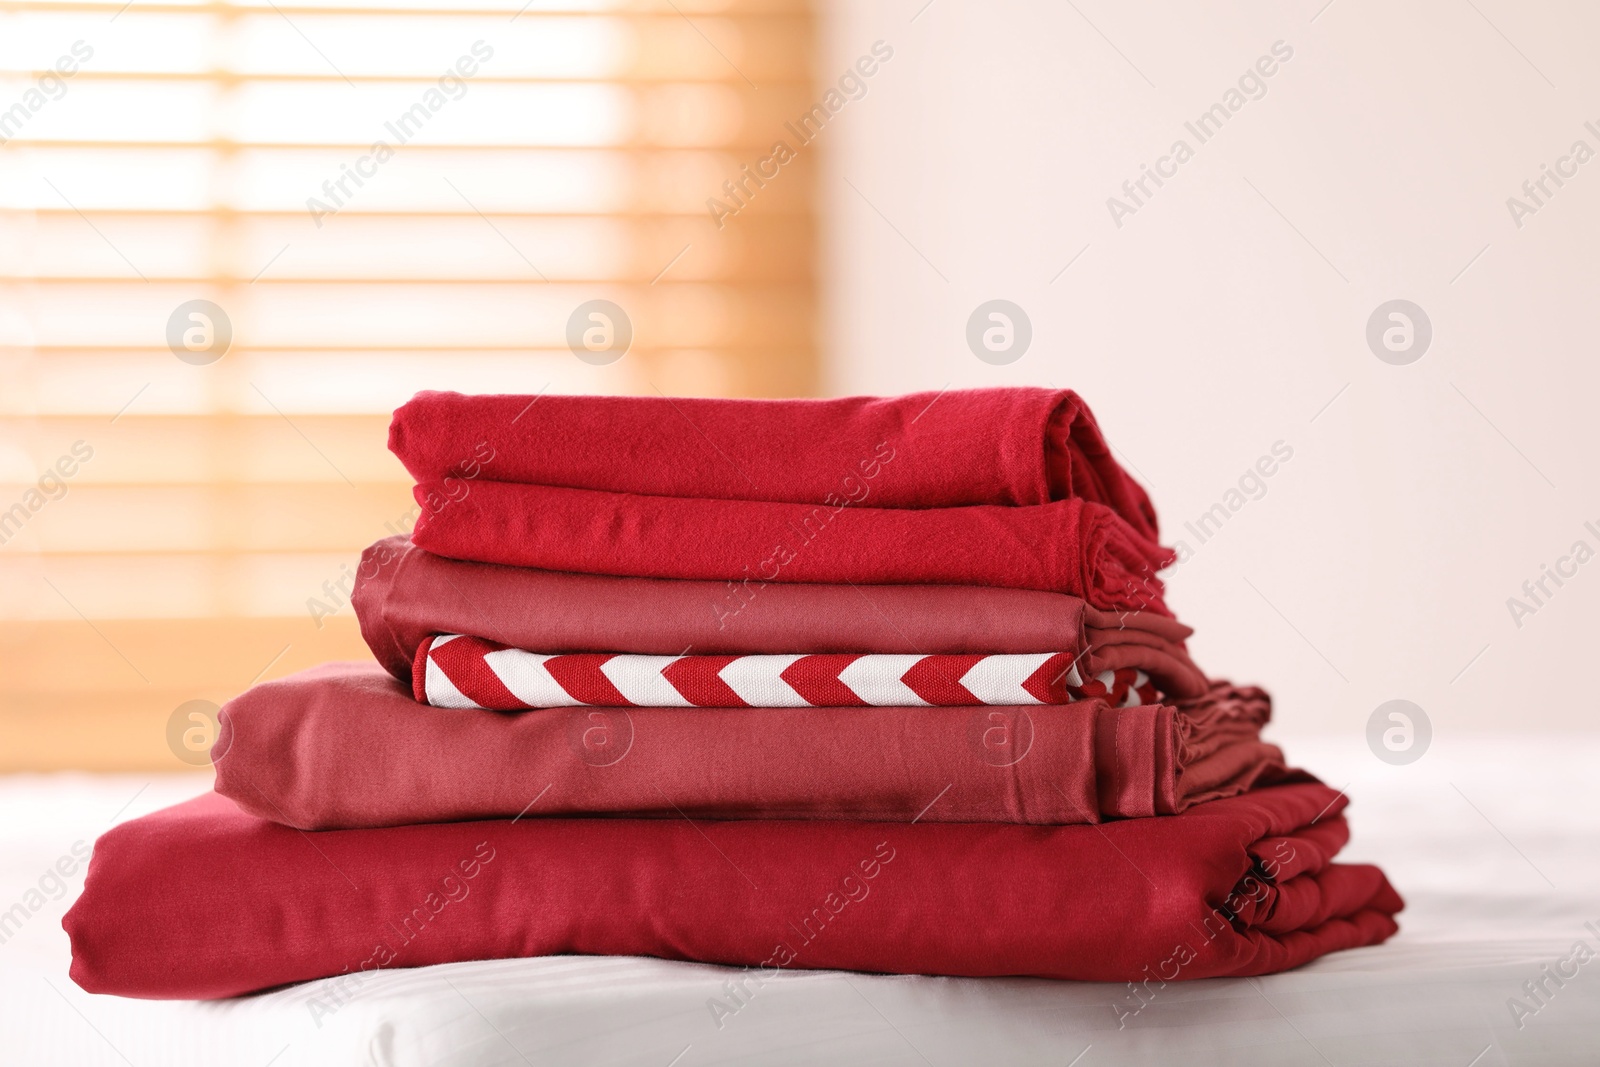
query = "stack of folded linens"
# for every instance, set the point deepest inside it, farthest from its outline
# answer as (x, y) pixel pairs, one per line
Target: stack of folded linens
(885, 685)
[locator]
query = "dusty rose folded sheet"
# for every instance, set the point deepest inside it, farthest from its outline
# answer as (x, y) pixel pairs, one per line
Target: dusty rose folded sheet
(404, 596)
(1240, 886)
(459, 671)
(1069, 546)
(345, 745)
(975, 446)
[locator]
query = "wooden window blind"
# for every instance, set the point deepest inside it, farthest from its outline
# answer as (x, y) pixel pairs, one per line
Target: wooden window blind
(360, 200)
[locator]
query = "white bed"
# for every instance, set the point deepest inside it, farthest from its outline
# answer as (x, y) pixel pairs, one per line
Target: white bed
(1494, 841)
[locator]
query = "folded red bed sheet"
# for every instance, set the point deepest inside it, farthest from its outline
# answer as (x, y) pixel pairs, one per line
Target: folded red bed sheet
(1069, 546)
(916, 451)
(405, 596)
(458, 671)
(345, 745)
(1236, 887)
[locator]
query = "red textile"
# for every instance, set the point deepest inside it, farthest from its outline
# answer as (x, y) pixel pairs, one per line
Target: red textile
(403, 596)
(1070, 546)
(976, 446)
(344, 745)
(1236, 887)
(459, 671)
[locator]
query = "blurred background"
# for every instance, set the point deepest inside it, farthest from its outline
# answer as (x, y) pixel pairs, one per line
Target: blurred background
(233, 237)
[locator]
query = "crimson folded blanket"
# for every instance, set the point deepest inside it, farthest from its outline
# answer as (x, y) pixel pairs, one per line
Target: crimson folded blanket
(981, 446)
(1069, 546)
(344, 745)
(1241, 886)
(404, 596)
(459, 671)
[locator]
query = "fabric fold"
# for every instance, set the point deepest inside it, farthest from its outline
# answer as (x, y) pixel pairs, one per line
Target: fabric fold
(914, 451)
(1069, 546)
(344, 745)
(404, 596)
(1241, 886)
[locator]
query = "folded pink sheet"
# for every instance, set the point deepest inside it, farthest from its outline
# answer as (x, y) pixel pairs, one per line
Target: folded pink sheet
(926, 450)
(404, 596)
(345, 745)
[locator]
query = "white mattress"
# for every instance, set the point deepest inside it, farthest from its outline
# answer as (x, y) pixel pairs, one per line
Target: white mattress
(1494, 841)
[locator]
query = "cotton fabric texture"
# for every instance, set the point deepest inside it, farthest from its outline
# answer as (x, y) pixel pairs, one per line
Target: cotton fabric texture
(404, 596)
(345, 745)
(914, 451)
(1239, 886)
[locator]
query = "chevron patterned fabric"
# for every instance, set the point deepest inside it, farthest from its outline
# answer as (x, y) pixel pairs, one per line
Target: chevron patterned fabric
(456, 671)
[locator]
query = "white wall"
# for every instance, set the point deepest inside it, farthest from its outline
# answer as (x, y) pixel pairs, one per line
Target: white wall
(1206, 327)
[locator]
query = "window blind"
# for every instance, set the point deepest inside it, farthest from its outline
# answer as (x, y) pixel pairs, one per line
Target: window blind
(234, 236)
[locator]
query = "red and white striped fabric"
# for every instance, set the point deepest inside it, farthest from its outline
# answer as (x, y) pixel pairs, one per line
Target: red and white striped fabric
(454, 671)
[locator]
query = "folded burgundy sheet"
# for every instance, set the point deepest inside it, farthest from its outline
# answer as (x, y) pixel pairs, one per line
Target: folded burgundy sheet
(1069, 546)
(404, 596)
(980, 446)
(1235, 887)
(344, 745)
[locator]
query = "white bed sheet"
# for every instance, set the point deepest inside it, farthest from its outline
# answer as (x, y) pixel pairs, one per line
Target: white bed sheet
(1494, 841)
